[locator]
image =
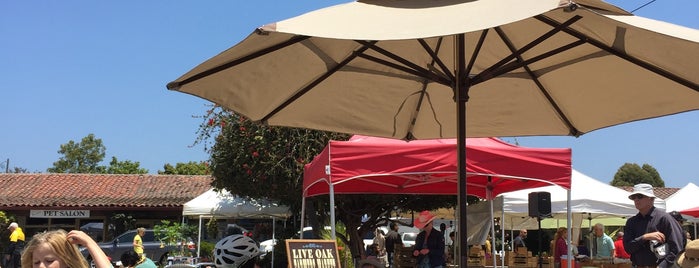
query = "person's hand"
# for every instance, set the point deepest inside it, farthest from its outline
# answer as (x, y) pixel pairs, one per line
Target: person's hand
(425, 251)
(655, 236)
(416, 252)
(79, 238)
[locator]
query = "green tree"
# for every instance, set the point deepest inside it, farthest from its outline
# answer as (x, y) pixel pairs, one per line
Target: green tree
(258, 161)
(630, 174)
(189, 168)
(124, 167)
(80, 157)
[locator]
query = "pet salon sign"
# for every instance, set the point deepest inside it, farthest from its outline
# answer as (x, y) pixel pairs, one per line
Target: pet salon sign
(303, 253)
(58, 213)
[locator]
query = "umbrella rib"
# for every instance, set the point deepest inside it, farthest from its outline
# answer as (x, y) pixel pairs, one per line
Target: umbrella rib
(573, 130)
(317, 81)
(650, 67)
(435, 57)
(487, 73)
(516, 65)
(476, 51)
(256, 54)
(422, 71)
(437, 79)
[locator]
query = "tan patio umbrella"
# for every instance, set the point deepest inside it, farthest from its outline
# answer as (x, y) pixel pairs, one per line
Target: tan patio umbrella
(406, 69)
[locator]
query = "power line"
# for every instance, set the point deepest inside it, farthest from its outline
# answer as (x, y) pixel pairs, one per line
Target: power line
(651, 1)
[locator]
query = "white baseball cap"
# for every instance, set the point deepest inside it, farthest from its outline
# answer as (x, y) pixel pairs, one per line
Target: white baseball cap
(644, 189)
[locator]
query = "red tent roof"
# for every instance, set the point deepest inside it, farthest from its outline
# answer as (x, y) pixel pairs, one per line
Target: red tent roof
(694, 212)
(370, 165)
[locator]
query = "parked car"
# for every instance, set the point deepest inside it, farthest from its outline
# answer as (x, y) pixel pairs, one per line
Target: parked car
(152, 247)
(408, 239)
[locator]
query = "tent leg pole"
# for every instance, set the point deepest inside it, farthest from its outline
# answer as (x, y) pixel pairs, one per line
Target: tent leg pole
(332, 212)
(502, 233)
(569, 254)
(303, 215)
(199, 239)
(492, 228)
(274, 241)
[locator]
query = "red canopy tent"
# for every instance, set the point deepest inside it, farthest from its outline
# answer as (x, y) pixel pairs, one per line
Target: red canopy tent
(372, 165)
(366, 165)
(694, 212)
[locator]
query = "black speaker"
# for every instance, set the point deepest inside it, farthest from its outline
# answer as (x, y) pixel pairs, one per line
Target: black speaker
(540, 204)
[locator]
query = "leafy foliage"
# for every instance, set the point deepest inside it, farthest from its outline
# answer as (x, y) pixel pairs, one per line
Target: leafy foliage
(630, 174)
(254, 160)
(258, 161)
(122, 222)
(189, 168)
(85, 156)
(174, 234)
(124, 167)
(80, 157)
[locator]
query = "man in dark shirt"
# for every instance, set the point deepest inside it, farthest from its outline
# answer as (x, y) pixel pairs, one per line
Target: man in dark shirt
(519, 240)
(393, 240)
(651, 224)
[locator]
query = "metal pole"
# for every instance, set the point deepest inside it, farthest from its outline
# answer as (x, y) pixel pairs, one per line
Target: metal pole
(461, 94)
(569, 216)
(274, 240)
(199, 239)
(502, 233)
(332, 212)
(492, 226)
(303, 211)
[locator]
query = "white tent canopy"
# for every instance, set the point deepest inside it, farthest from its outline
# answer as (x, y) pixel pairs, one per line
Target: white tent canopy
(223, 204)
(684, 198)
(588, 196)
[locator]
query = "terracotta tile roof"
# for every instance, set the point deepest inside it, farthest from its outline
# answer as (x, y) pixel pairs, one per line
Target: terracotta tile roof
(662, 192)
(99, 190)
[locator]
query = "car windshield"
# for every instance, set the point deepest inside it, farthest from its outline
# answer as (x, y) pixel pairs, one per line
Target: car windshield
(409, 237)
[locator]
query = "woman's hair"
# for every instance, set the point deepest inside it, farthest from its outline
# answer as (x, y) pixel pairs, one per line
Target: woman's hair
(58, 242)
(559, 233)
(141, 230)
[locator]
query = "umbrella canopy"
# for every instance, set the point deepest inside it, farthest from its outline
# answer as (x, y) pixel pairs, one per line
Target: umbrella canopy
(406, 69)
(389, 166)
(386, 68)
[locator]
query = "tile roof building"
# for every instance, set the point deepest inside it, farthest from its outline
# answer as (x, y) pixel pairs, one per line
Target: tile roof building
(47, 201)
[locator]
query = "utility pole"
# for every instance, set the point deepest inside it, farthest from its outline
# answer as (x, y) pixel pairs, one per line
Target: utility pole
(7, 166)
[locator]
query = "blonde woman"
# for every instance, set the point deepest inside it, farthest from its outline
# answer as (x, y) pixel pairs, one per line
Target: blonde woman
(138, 241)
(58, 249)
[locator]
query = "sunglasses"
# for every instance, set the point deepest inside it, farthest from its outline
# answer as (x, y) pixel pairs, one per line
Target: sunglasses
(637, 196)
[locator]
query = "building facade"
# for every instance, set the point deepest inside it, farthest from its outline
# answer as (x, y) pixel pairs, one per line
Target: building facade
(50, 201)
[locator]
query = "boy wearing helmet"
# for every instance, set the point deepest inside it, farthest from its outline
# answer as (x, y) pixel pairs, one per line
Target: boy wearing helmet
(236, 251)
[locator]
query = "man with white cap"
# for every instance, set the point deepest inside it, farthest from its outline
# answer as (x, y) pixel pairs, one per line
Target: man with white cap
(16, 246)
(652, 237)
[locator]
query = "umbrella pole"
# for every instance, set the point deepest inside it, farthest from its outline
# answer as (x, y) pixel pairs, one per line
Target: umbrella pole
(461, 94)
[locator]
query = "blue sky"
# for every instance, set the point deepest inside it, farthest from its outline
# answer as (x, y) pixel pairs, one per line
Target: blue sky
(70, 68)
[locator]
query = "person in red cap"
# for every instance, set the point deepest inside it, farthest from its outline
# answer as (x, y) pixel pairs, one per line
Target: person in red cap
(429, 243)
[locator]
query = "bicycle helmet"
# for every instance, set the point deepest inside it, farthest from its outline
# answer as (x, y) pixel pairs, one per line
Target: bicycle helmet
(233, 251)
